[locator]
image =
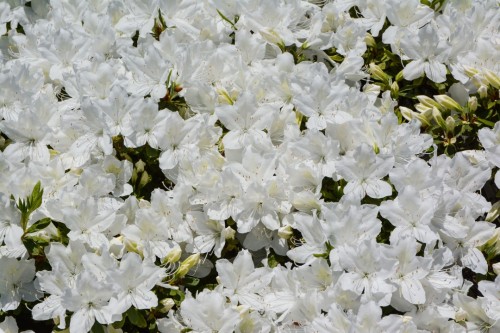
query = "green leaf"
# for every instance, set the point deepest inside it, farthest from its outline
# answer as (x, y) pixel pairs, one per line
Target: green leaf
(31, 204)
(177, 295)
(97, 328)
(191, 281)
(486, 122)
(119, 324)
(272, 261)
(227, 20)
(136, 318)
(40, 225)
(35, 200)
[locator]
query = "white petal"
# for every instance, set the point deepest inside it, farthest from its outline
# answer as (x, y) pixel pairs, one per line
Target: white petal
(435, 71)
(474, 259)
(413, 291)
(81, 321)
(413, 70)
(376, 188)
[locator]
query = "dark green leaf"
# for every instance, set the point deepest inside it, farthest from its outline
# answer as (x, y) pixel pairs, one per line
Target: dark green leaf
(136, 318)
(40, 225)
(97, 328)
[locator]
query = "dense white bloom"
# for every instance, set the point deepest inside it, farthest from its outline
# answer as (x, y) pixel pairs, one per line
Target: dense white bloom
(248, 137)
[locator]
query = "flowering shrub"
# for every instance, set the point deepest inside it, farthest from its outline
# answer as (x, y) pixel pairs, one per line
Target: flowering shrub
(249, 166)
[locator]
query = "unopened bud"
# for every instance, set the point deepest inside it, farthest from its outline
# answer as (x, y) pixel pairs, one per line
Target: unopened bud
(131, 246)
(399, 76)
(370, 41)
(492, 78)
(496, 268)
(492, 247)
(422, 108)
(139, 166)
(483, 91)
(407, 113)
(447, 102)
(378, 73)
(428, 102)
(395, 88)
(460, 315)
(285, 232)
(472, 103)
(145, 179)
(450, 124)
(166, 304)
(494, 212)
(436, 114)
(187, 264)
(228, 233)
(470, 71)
(173, 256)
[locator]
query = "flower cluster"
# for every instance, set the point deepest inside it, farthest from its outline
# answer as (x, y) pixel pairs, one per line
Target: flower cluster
(249, 166)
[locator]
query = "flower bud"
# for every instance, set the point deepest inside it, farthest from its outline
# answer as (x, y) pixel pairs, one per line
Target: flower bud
(450, 124)
(496, 268)
(285, 232)
(371, 89)
(428, 102)
(131, 246)
(395, 88)
(166, 304)
(378, 73)
(494, 212)
(470, 71)
(187, 264)
(145, 179)
(173, 256)
(472, 103)
(492, 78)
(370, 41)
(399, 76)
(422, 108)
(139, 166)
(436, 114)
(407, 113)
(483, 91)
(460, 315)
(492, 247)
(228, 233)
(447, 102)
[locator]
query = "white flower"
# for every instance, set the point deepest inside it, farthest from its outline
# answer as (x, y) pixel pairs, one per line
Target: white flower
(242, 282)
(411, 215)
(428, 53)
(16, 282)
(363, 173)
(245, 121)
(134, 280)
(209, 312)
(88, 301)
